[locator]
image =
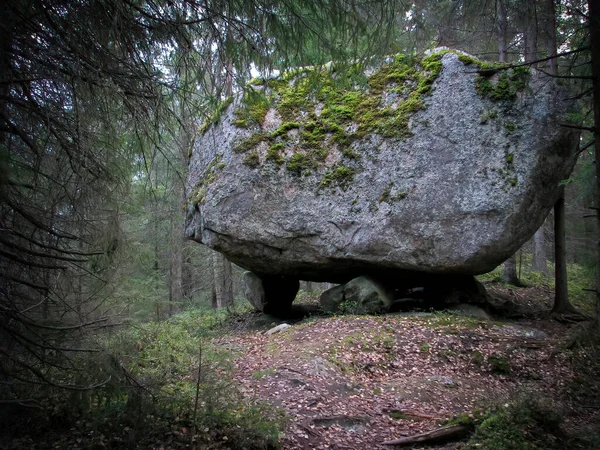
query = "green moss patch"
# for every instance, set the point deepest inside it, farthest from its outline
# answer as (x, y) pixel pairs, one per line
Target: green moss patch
(339, 177)
(215, 117)
(274, 154)
(500, 364)
(252, 160)
(526, 424)
(508, 84)
(330, 109)
(198, 194)
(299, 163)
(387, 197)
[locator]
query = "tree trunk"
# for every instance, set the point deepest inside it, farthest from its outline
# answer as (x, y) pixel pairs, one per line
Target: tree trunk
(510, 265)
(594, 27)
(561, 294)
(539, 261)
(530, 32)
(419, 25)
(501, 31)
(223, 283)
(550, 28)
(176, 259)
(510, 271)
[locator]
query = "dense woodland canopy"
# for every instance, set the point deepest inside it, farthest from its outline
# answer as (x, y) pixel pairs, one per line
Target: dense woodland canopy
(100, 103)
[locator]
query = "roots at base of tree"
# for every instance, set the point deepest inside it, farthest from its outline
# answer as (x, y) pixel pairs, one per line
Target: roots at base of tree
(437, 436)
(569, 314)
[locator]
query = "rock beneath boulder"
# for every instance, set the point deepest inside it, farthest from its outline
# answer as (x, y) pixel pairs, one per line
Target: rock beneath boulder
(253, 290)
(465, 309)
(432, 167)
(331, 299)
(361, 295)
(270, 294)
(278, 329)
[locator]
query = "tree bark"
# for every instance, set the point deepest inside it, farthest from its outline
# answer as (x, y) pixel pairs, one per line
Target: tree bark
(530, 32)
(561, 294)
(594, 27)
(445, 434)
(550, 28)
(501, 31)
(510, 265)
(510, 271)
(223, 284)
(539, 261)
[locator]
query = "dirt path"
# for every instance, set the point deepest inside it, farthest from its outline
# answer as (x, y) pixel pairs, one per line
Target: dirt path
(354, 382)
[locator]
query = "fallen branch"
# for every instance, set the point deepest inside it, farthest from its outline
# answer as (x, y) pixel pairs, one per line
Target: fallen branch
(444, 434)
(411, 413)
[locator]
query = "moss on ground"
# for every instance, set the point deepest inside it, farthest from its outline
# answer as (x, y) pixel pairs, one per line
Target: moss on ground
(526, 424)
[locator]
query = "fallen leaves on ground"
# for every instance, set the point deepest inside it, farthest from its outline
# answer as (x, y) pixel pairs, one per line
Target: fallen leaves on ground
(354, 382)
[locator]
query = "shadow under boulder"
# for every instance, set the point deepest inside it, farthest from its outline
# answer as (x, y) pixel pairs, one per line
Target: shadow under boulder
(270, 294)
(368, 295)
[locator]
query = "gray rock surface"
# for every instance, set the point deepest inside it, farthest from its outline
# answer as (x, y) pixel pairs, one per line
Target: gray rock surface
(463, 192)
(278, 329)
(466, 309)
(361, 295)
(253, 290)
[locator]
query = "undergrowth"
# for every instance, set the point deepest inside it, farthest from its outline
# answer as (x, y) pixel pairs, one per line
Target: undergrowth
(163, 379)
(527, 423)
(579, 278)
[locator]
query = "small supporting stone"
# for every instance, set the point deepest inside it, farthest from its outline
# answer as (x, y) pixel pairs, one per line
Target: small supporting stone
(361, 295)
(253, 290)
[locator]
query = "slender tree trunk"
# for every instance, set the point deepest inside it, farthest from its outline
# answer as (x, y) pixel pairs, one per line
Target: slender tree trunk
(222, 270)
(594, 27)
(539, 262)
(561, 294)
(539, 257)
(530, 31)
(176, 260)
(501, 31)
(419, 26)
(550, 15)
(510, 271)
(510, 265)
(223, 283)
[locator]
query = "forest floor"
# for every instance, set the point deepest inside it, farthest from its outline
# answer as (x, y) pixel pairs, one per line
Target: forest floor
(353, 382)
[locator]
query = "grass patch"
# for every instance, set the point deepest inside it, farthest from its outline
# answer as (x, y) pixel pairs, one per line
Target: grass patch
(500, 364)
(526, 424)
(150, 378)
(578, 276)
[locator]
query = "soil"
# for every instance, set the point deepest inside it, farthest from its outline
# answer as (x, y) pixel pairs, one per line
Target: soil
(353, 382)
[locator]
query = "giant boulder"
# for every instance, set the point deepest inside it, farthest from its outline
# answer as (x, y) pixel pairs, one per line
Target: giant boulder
(437, 165)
